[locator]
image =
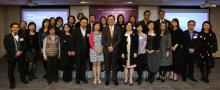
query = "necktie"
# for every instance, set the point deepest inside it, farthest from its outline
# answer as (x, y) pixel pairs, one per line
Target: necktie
(111, 31)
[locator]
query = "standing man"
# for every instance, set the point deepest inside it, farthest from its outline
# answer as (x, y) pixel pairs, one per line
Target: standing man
(145, 21)
(92, 20)
(190, 45)
(15, 48)
(81, 48)
(110, 39)
(160, 20)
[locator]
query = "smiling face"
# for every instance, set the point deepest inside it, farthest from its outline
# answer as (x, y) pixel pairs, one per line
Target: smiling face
(206, 26)
(66, 28)
(111, 20)
(191, 25)
(162, 26)
(139, 29)
(128, 27)
(15, 28)
(32, 27)
(151, 26)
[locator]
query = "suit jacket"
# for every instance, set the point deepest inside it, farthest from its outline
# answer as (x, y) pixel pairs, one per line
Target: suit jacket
(190, 43)
(144, 26)
(157, 24)
(134, 43)
(78, 41)
(10, 47)
(89, 30)
(108, 41)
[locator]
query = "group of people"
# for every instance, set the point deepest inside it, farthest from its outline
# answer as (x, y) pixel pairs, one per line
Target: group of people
(152, 46)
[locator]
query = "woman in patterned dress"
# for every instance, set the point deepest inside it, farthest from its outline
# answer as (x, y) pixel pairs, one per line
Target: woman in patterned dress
(96, 54)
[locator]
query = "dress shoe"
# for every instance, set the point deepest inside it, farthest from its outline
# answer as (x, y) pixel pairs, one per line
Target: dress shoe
(24, 81)
(107, 83)
(115, 82)
(193, 79)
(12, 86)
(77, 81)
(184, 79)
(206, 80)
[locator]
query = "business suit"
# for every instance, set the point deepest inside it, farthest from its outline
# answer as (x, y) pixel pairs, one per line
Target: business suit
(110, 60)
(81, 48)
(190, 42)
(145, 25)
(12, 46)
(158, 22)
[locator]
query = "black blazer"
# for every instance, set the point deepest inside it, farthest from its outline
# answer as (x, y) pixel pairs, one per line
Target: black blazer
(78, 41)
(9, 45)
(32, 42)
(108, 41)
(157, 24)
(89, 30)
(144, 26)
(134, 43)
(190, 43)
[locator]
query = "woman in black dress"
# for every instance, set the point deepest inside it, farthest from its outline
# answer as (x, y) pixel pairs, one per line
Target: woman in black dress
(103, 22)
(176, 36)
(207, 50)
(59, 25)
(122, 25)
(132, 20)
(71, 22)
(129, 53)
(67, 53)
(32, 49)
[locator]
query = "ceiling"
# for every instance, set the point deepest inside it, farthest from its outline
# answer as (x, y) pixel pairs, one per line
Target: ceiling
(112, 2)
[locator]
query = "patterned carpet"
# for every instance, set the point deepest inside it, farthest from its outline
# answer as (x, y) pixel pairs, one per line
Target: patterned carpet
(41, 84)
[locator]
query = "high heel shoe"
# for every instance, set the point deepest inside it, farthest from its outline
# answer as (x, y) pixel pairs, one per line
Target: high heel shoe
(94, 81)
(99, 81)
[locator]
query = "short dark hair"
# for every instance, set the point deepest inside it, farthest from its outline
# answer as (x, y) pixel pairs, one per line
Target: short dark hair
(83, 18)
(13, 23)
(111, 16)
(50, 28)
(57, 19)
(161, 11)
(92, 15)
(31, 23)
(23, 21)
(191, 21)
(146, 11)
(79, 15)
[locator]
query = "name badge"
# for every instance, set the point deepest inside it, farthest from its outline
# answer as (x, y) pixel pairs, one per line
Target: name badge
(21, 39)
(64, 41)
(140, 37)
(194, 37)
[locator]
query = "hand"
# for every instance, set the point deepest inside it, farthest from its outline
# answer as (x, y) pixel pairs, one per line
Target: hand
(173, 48)
(45, 57)
(191, 50)
(18, 53)
(213, 54)
(167, 54)
(135, 55)
(73, 53)
(148, 51)
(110, 49)
(69, 53)
(123, 56)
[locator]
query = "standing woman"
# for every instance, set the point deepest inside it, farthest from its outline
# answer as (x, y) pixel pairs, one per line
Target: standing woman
(32, 49)
(42, 34)
(132, 20)
(67, 53)
(59, 25)
(51, 53)
(121, 23)
(177, 52)
(52, 22)
(142, 56)
(71, 22)
(129, 53)
(103, 22)
(207, 50)
(153, 53)
(165, 51)
(96, 53)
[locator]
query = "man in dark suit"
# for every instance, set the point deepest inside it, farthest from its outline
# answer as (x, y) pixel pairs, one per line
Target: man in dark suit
(79, 16)
(14, 45)
(160, 20)
(111, 37)
(81, 48)
(92, 20)
(145, 21)
(190, 45)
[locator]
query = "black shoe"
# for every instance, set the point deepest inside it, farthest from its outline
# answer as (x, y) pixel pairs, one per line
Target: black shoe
(152, 79)
(206, 80)
(115, 82)
(34, 77)
(202, 79)
(125, 83)
(130, 84)
(49, 82)
(107, 83)
(24, 81)
(139, 82)
(12, 86)
(193, 79)
(184, 79)
(162, 80)
(45, 76)
(77, 81)
(147, 79)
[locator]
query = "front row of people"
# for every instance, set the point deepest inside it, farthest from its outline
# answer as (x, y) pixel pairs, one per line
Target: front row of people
(165, 51)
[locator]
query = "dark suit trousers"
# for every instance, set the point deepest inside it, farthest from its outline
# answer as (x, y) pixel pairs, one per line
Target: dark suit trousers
(110, 65)
(11, 67)
(189, 65)
(52, 69)
(81, 63)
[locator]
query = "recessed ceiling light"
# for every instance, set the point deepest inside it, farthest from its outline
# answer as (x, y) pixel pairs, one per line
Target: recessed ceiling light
(130, 2)
(83, 2)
